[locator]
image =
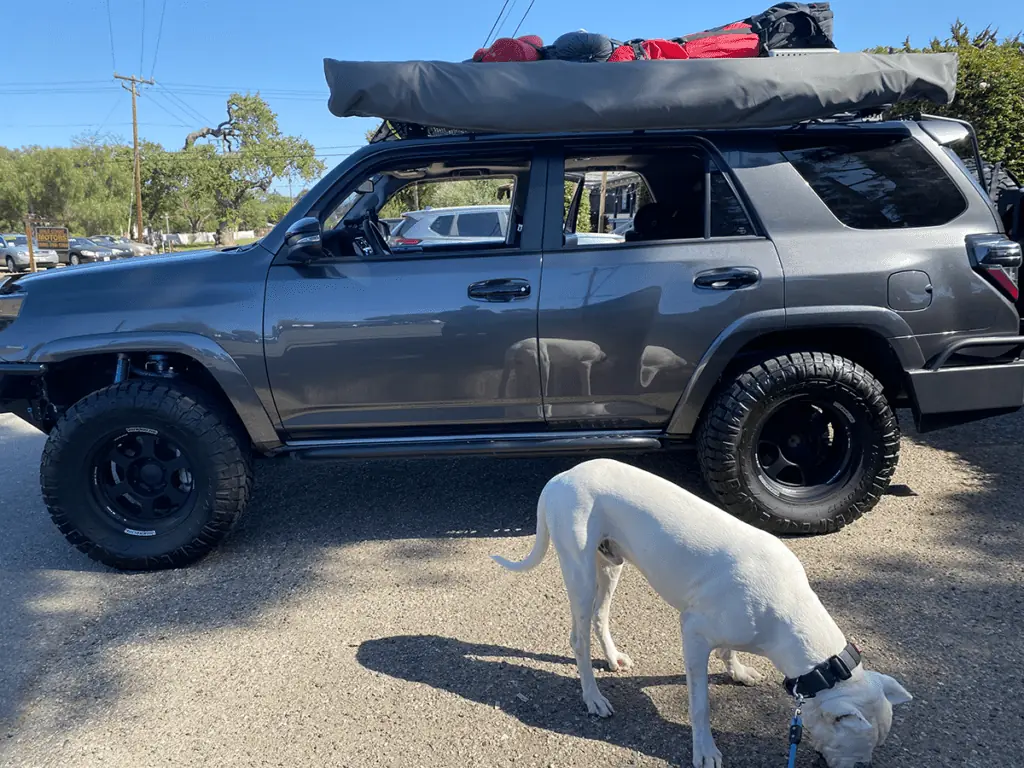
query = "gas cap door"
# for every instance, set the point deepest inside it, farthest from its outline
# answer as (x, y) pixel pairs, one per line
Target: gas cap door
(910, 291)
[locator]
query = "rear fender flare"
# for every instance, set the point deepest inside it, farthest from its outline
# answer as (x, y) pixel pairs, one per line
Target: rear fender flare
(880, 321)
(202, 349)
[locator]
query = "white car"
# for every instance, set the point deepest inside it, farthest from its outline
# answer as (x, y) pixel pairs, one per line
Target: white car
(14, 252)
(466, 224)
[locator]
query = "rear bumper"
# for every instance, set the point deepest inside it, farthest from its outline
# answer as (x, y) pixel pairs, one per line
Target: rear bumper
(945, 395)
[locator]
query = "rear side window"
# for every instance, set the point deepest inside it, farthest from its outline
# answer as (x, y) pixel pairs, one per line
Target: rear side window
(882, 182)
(479, 224)
(442, 225)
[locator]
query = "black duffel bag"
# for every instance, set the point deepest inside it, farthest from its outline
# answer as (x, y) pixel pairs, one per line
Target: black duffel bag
(794, 25)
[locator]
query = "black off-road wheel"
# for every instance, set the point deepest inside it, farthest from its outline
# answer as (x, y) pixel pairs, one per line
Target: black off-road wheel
(142, 476)
(803, 443)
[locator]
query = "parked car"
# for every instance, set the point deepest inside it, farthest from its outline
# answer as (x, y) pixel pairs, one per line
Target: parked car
(82, 250)
(470, 223)
(122, 246)
(771, 309)
(14, 252)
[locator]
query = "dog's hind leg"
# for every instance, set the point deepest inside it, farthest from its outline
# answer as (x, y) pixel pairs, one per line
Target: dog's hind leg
(696, 655)
(608, 572)
(581, 584)
(737, 670)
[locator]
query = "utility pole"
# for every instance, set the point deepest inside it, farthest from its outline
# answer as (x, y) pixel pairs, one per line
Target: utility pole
(134, 88)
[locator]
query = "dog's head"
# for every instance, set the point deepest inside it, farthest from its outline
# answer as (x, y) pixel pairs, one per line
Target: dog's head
(846, 723)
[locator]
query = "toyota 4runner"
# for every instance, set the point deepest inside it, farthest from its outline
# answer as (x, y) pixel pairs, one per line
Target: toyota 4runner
(782, 292)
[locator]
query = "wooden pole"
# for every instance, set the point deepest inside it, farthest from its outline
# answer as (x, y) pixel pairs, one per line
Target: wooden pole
(604, 193)
(134, 88)
(31, 252)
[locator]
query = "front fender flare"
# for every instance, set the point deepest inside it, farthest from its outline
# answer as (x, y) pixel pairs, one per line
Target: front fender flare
(880, 321)
(202, 349)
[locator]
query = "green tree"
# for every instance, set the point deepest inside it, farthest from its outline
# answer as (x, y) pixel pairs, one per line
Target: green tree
(990, 90)
(254, 153)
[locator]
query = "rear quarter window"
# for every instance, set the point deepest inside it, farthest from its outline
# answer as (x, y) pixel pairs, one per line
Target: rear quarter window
(879, 182)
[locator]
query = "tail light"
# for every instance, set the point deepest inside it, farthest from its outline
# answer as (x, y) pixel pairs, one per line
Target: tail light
(405, 241)
(998, 259)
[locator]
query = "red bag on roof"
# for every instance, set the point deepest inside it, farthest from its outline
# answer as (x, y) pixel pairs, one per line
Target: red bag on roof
(526, 48)
(735, 41)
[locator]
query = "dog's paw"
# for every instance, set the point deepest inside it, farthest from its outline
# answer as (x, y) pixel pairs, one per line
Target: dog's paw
(598, 705)
(746, 676)
(707, 757)
(622, 663)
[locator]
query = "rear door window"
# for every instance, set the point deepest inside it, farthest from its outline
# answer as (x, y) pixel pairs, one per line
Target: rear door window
(880, 182)
(483, 224)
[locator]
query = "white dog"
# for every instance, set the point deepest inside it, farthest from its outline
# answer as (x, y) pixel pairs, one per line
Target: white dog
(736, 588)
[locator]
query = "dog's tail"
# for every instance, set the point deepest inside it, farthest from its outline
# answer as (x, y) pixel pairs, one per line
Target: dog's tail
(540, 545)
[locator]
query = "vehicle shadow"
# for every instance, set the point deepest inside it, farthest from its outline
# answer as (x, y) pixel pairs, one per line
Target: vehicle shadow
(496, 676)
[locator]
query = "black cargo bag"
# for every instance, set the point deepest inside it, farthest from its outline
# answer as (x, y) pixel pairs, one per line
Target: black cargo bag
(794, 25)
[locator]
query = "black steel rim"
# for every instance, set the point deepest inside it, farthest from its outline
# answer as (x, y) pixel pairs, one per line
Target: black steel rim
(806, 448)
(144, 481)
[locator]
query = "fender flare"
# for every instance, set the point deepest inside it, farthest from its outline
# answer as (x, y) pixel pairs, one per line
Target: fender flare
(203, 350)
(880, 321)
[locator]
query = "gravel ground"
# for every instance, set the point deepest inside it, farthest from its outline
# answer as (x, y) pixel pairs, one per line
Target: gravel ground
(356, 620)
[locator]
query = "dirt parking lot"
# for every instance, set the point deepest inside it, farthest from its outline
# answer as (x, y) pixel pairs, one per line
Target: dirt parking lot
(356, 620)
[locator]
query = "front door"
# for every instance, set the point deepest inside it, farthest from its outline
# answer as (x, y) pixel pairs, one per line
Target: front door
(626, 318)
(421, 337)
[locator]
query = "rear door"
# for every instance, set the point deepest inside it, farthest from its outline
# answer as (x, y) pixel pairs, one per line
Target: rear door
(624, 321)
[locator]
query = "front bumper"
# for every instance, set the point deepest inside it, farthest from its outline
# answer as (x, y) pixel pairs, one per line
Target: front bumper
(945, 395)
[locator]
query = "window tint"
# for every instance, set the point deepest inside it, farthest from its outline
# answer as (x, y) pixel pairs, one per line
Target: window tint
(443, 225)
(728, 219)
(484, 224)
(877, 182)
(651, 197)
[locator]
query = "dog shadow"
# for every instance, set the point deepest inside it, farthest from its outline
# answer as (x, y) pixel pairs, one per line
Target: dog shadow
(488, 674)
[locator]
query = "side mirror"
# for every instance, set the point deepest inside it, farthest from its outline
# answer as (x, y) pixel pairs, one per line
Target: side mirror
(303, 240)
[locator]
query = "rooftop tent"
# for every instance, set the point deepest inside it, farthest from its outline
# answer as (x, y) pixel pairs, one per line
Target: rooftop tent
(552, 96)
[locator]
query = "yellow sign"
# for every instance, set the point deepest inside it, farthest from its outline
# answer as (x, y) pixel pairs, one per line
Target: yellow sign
(52, 237)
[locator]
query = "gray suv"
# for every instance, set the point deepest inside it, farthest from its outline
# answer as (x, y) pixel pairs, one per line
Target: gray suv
(781, 293)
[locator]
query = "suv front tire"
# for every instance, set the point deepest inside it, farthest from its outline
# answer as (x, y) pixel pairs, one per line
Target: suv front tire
(800, 443)
(142, 476)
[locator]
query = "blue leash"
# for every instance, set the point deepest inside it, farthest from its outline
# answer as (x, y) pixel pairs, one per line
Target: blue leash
(796, 731)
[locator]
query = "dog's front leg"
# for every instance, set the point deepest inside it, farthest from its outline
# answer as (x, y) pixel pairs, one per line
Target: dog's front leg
(696, 655)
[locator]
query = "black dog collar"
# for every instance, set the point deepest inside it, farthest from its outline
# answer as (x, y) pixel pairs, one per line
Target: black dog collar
(826, 675)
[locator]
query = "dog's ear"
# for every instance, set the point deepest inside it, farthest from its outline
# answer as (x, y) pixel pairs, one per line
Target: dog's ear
(894, 692)
(843, 713)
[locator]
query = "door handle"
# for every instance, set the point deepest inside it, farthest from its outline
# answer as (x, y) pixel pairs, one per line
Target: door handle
(727, 278)
(502, 289)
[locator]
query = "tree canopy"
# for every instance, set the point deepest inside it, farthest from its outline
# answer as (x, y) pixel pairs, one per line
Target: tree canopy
(990, 90)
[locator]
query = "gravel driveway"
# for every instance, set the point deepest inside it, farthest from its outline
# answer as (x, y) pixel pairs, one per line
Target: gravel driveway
(355, 620)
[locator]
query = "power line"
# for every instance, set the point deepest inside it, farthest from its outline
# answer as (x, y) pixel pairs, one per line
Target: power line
(117, 102)
(167, 111)
(110, 30)
(530, 8)
(159, 34)
(142, 39)
(185, 107)
(508, 15)
(494, 26)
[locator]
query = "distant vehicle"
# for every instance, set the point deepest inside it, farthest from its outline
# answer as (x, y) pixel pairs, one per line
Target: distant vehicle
(121, 246)
(14, 251)
(465, 224)
(82, 250)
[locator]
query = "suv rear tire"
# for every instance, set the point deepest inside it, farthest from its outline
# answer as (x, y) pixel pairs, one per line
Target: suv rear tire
(142, 476)
(801, 443)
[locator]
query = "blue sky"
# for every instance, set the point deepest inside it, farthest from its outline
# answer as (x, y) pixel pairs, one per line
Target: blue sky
(55, 72)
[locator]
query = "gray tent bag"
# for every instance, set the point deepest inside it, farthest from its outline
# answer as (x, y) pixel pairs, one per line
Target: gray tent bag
(554, 96)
